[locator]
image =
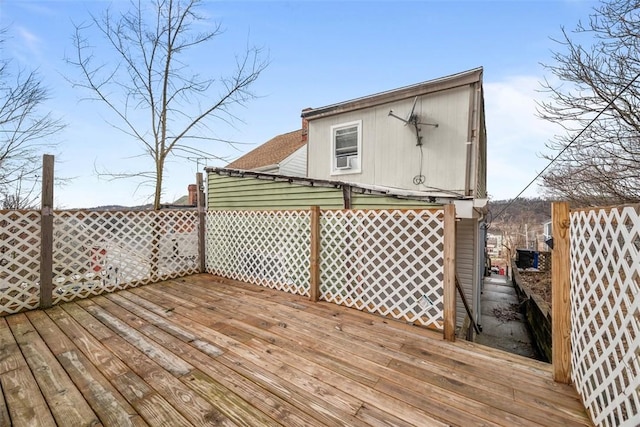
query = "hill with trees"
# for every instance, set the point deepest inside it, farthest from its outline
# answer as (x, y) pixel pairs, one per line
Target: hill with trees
(506, 213)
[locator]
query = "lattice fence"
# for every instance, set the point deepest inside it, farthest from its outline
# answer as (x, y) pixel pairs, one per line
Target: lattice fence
(96, 252)
(267, 248)
(385, 262)
(19, 261)
(605, 313)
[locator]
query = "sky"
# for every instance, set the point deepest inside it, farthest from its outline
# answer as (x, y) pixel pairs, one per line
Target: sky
(320, 53)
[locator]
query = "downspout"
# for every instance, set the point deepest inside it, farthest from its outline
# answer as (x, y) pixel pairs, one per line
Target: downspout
(305, 137)
(481, 244)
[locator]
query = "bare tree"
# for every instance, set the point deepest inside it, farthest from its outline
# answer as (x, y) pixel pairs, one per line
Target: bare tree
(22, 194)
(149, 88)
(24, 131)
(596, 63)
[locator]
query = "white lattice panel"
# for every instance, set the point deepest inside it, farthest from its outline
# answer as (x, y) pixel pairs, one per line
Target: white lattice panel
(19, 261)
(266, 248)
(96, 252)
(605, 313)
(385, 262)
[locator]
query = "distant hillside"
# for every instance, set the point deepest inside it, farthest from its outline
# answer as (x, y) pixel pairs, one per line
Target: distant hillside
(121, 208)
(182, 201)
(533, 212)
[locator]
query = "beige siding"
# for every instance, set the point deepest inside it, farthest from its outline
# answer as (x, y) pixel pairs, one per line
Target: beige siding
(390, 156)
(466, 236)
(226, 192)
(481, 243)
(295, 164)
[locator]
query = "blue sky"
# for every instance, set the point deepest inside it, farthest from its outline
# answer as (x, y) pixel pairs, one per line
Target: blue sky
(320, 53)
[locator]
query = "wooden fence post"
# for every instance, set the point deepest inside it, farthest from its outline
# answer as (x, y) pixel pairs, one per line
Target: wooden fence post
(201, 223)
(46, 233)
(560, 293)
(314, 283)
(346, 196)
(449, 272)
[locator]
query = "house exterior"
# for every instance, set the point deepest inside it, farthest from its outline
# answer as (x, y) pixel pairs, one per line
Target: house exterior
(428, 137)
(230, 189)
(495, 245)
(284, 154)
(418, 146)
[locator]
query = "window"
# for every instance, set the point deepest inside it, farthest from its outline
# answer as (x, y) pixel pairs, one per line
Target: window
(346, 148)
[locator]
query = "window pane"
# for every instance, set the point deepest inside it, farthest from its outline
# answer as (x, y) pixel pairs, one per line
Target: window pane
(347, 140)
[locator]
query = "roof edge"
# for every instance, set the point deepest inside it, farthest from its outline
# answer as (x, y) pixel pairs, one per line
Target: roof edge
(257, 155)
(313, 182)
(430, 86)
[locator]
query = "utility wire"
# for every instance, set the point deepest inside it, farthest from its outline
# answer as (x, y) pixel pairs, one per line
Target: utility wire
(609, 104)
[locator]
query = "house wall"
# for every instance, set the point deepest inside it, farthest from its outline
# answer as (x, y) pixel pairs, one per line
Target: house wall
(226, 192)
(466, 265)
(480, 263)
(481, 154)
(390, 156)
(295, 164)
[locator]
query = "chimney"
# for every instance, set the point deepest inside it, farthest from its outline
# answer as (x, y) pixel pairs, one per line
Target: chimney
(305, 125)
(193, 194)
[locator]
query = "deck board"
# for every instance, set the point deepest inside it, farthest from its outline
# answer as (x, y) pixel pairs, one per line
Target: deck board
(202, 350)
(448, 378)
(65, 401)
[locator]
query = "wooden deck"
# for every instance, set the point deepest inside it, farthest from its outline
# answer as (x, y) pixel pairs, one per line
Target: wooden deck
(196, 351)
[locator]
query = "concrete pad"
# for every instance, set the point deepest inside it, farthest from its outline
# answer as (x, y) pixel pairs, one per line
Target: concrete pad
(515, 329)
(504, 283)
(498, 289)
(509, 345)
(494, 278)
(502, 297)
(508, 335)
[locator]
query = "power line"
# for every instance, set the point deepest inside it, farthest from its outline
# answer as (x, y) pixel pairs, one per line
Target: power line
(609, 104)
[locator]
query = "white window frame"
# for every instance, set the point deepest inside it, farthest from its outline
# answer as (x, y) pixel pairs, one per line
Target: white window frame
(357, 168)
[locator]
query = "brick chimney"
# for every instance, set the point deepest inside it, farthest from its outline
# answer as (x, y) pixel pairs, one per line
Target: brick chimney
(305, 125)
(193, 194)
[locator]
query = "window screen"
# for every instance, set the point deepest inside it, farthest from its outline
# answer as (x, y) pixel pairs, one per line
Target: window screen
(347, 141)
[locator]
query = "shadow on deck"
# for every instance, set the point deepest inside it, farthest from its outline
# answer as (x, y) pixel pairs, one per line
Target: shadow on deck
(203, 351)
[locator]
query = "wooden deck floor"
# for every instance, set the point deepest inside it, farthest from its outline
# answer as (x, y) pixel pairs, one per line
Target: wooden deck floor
(195, 351)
